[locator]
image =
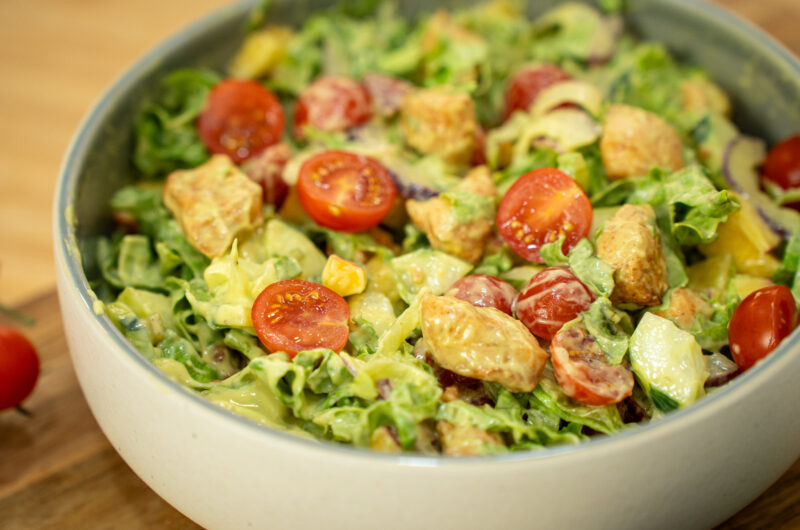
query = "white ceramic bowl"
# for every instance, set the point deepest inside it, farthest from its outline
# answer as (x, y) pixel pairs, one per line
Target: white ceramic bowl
(691, 470)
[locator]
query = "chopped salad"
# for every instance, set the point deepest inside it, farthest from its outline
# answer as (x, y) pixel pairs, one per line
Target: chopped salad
(463, 234)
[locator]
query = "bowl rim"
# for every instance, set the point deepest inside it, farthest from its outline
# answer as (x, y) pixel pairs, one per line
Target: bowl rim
(68, 265)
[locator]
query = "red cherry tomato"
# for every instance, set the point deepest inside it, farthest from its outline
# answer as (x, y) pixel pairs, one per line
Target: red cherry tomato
(266, 169)
(295, 315)
(540, 207)
(583, 372)
(760, 323)
(344, 191)
(484, 291)
(240, 119)
(19, 367)
(332, 103)
(525, 85)
(551, 299)
(782, 165)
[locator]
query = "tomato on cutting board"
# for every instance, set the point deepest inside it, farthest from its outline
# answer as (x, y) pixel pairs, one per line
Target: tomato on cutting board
(240, 119)
(539, 208)
(345, 191)
(296, 315)
(760, 323)
(19, 367)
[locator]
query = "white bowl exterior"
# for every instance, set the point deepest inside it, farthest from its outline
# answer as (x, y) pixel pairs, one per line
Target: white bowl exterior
(224, 473)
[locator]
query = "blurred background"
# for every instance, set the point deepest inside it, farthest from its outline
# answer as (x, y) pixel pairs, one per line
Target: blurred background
(58, 56)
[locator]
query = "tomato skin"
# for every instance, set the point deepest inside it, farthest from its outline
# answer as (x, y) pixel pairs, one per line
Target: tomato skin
(296, 315)
(345, 191)
(240, 119)
(550, 299)
(525, 86)
(760, 323)
(483, 290)
(782, 166)
(19, 367)
(266, 169)
(540, 207)
(332, 104)
(583, 372)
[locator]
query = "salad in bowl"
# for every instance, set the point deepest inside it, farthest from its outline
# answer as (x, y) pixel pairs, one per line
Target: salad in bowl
(464, 234)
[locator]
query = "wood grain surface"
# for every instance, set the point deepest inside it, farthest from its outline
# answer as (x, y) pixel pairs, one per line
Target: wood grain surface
(57, 56)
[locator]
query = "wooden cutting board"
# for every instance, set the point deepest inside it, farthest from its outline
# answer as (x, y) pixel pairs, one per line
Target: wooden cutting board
(57, 470)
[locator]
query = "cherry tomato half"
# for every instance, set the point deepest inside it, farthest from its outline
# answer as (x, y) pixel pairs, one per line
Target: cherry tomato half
(295, 315)
(552, 298)
(484, 291)
(240, 119)
(19, 367)
(782, 165)
(332, 103)
(539, 208)
(345, 191)
(760, 323)
(266, 169)
(583, 372)
(525, 85)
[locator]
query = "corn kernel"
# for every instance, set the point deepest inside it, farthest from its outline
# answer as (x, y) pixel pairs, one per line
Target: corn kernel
(344, 277)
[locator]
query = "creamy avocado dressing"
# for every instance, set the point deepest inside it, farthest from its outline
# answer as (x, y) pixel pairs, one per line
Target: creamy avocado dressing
(657, 237)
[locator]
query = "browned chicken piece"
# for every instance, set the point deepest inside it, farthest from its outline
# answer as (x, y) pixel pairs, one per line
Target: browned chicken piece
(446, 232)
(684, 306)
(441, 122)
(635, 141)
(702, 95)
(482, 343)
(213, 203)
(466, 440)
(631, 243)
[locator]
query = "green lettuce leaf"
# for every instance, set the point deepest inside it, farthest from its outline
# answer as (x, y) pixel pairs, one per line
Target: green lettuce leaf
(789, 272)
(588, 268)
(548, 396)
(166, 137)
(611, 328)
(693, 207)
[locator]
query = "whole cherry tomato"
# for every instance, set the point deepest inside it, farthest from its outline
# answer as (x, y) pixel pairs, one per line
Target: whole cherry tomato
(760, 323)
(539, 208)
(240, 119)
(552, 298)
(525, 85)
(345, 191)
(484, 291)
(331, 104)
(19, 367)
(295, 315)
(782, 165)
(583, 372)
